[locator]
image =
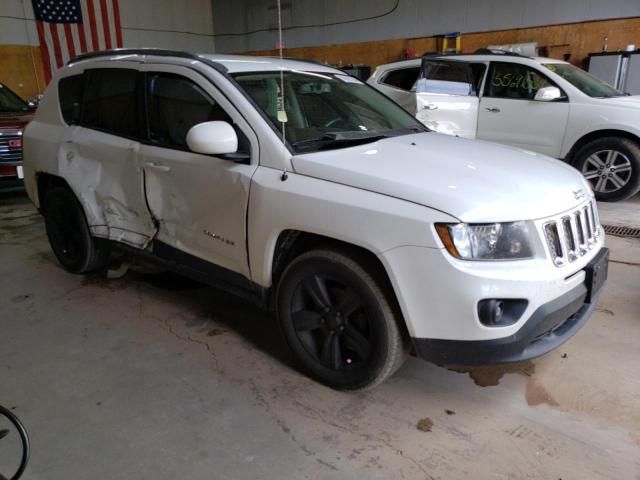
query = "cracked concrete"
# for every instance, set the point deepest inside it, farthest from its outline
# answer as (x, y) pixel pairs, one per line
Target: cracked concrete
(122, 379)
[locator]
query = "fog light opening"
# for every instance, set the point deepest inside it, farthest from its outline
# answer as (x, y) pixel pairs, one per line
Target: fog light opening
(497, 312)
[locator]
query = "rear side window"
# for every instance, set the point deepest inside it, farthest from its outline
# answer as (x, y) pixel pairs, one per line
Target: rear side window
(452, 78)
(175, 104)
(110, 101)
(403, 78)
(70, 95)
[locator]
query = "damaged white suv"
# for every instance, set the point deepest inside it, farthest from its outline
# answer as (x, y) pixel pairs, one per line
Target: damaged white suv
(313, 194)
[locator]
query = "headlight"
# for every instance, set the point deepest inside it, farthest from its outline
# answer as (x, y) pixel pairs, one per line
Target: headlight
(490, 241)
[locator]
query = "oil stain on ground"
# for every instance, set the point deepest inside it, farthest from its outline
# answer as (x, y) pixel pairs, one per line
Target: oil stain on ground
(490, 375)
(536, 394)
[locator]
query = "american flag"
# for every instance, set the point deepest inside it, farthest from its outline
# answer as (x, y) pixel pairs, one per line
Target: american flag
(67, 28)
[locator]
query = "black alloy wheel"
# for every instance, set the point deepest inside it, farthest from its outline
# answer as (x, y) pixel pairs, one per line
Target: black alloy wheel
(338, 322)
(69, 234)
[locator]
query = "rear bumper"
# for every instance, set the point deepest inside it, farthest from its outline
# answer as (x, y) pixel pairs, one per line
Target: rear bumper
(550, 326)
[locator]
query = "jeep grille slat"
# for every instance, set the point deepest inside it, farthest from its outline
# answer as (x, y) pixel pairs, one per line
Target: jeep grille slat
(572, 236)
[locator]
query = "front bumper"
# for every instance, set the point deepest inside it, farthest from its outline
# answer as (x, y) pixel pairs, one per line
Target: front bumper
(547, 328)
(566, 315)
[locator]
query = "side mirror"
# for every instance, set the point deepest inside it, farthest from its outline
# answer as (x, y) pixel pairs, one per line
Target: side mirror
(212, 138)
(548, 94)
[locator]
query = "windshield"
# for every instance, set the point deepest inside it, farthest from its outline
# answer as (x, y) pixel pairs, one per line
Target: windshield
(583, 81)
(10, 102)
(325, 110)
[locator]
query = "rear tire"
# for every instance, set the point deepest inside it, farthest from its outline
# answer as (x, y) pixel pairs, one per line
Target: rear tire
(612, 166)
(68, 233)
(339, 323)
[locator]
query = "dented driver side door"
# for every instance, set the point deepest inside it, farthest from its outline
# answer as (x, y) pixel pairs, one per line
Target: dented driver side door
(199, 201)
(105, 150)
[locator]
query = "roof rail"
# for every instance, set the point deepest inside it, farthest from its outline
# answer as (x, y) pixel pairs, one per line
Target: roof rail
(480, 51)
(497, 51)
(148, 51)
(298, 59)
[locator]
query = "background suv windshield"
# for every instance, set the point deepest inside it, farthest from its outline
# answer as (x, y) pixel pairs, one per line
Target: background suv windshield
(583, 81)
(317, 104)
(10, 102)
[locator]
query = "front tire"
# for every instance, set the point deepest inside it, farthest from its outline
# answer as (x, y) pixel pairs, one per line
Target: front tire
(612, 166)
(338, 321)
(68, 233)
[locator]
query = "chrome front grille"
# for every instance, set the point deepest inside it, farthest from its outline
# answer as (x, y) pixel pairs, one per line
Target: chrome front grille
(10, 147)
(573, 235)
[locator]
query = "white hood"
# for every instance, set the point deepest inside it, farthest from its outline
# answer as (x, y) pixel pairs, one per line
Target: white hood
(472, 180)
(629, 101)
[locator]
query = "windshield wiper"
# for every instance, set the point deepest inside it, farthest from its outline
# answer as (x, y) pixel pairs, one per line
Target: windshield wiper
(352, 138)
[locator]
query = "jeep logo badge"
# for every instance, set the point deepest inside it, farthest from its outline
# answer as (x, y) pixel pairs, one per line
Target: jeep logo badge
(578, 194)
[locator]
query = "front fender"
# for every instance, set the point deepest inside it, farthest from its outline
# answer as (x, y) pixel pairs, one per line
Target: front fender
(366, 219)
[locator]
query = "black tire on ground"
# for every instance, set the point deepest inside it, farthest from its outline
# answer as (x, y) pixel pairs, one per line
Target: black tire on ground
(69, 234)
(341, 326)
(612, 166)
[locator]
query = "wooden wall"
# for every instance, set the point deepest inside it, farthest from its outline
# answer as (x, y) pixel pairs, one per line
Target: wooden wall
(576, 39)
(17, 70)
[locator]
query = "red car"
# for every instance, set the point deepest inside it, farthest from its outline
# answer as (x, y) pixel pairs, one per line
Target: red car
(15, 113)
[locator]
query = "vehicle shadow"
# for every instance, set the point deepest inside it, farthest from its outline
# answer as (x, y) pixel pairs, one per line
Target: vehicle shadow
(212, 311)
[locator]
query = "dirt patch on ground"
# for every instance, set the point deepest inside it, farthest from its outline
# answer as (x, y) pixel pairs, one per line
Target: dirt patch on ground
(606, 311)
(214, 332)
(425, 424)
(21, 298)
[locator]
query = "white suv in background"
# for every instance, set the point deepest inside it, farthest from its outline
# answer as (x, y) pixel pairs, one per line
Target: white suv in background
(362, 230)
(539, 104)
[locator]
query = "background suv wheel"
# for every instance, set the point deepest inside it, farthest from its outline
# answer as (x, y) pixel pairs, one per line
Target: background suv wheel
(612, 166)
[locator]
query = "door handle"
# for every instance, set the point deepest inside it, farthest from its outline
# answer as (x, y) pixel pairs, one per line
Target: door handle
(431, 106)
(492, 109)
(158, 167)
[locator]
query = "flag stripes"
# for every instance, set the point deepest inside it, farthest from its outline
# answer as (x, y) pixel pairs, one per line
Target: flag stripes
(67, 28)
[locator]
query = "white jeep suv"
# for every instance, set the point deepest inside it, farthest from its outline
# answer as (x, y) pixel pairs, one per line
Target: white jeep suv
(539, 104)
(311, 193)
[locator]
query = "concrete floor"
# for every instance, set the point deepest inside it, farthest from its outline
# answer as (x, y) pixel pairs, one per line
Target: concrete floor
(153, 377)
(621, 214)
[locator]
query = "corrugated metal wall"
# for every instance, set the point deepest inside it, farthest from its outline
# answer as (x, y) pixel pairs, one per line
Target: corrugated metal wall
(407, 18)
(184, 24)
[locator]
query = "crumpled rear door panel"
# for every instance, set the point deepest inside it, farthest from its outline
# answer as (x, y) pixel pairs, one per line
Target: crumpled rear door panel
(105, 172)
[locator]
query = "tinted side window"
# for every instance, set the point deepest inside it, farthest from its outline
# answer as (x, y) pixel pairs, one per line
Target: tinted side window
(512, 80)
(70, 96)
(110, 101)
(175, 104)
(403, 78)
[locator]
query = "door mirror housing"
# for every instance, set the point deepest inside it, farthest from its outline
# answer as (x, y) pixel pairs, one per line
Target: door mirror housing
(548, 94)
(212, 138)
